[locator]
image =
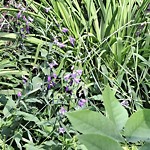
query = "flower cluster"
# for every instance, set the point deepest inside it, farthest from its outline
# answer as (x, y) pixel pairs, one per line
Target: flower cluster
(51, 78)
(70, 39)
(20, 16)
(82, 102)
(71, 78)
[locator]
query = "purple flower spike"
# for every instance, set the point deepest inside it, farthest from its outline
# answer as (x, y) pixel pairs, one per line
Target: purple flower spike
(47, 9)
(79, 72)
(19, 94)
(67, 76)
(48, 78)
(62, 111)
(72, 40)
(18, 14)
(61, 130)
(65, 30)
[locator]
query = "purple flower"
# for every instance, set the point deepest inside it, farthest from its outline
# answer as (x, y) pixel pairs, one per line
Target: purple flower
(23, 9)
(48, 78)
(27, 28)
(24, 81)
(53, 83)
(30, 19)
(61, 45)
(55, 41)
(19, 14)
(19, 5)
(64, 30)
(79, 72)
(72, 40)
(54, 63)
(82, 102)
(62, 111)
(49, 86)
(19, 94)
(125, 103)
(55, 75)
(47, 9)
(76, 80)
(67, 89)
(61, 130)
(25, 19)
(71, 82)
(74, 75)
(67, 76)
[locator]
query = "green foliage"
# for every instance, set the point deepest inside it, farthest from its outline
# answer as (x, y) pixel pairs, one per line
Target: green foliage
(114, 110)
(110, 45)
(96, 131)
(97, 142)
(137, 127)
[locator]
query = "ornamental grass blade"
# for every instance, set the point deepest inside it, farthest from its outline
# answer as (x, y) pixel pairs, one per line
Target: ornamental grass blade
(99, 142)
(137, 127)
(90, 122)
(114, 110)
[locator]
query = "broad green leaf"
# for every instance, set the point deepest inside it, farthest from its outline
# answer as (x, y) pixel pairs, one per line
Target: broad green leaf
(32, 147)
(86, 121)
(37, 82)
(28, 117)
(18, 138)
(99, 142)
(146, 146)
(137, 127)
(10, 105)
(115, 111)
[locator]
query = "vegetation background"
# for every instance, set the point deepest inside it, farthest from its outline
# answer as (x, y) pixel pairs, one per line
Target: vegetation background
(74, 74)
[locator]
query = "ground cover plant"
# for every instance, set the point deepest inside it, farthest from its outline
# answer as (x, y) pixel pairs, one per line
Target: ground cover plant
(74, 74)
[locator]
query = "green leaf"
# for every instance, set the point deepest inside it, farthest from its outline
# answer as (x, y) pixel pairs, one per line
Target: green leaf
(146, 146)
(115, 111)
(86, 121)
(96, 97)
(37, 82)
(10, 105)
(137, 127)
(28, 117)
(32, 147)
(99, 142)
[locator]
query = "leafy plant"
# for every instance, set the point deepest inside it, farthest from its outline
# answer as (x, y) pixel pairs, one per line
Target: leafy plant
(104, 132)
